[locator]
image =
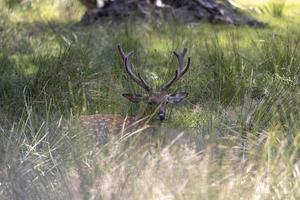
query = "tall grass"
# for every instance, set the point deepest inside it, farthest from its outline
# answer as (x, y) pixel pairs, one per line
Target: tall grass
(236, 136)
(59, 162)
(275, 8)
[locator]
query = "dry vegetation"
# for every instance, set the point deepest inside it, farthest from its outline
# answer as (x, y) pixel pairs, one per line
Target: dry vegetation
(236, 137)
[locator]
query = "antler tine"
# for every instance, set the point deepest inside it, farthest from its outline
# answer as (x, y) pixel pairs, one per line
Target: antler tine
(180, 71)
(137, 78)
(180, 57)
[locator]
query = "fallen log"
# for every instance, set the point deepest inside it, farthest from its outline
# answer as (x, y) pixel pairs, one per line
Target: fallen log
(187, 11)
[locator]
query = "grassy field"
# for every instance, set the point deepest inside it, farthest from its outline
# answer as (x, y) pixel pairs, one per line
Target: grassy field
(236, 136)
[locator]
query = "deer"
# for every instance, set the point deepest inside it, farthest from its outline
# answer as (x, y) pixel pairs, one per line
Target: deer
(156, 99)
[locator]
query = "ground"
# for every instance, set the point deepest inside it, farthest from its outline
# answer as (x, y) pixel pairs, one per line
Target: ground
(237, 135)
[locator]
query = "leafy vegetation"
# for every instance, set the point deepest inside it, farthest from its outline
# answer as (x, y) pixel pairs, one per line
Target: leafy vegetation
(236, 136)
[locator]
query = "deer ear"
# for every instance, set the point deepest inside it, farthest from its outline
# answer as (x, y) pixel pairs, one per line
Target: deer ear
(177, 97)
(135, 98)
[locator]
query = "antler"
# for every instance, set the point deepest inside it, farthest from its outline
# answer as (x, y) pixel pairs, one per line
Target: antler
(137, 78)
(180, 71)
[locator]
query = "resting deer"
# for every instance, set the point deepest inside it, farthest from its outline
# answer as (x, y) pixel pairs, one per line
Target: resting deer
(156, 99)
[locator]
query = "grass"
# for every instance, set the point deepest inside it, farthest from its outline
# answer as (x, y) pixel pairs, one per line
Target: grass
(235, 137)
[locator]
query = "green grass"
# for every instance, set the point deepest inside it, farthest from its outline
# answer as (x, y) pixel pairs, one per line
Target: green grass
(237, 136)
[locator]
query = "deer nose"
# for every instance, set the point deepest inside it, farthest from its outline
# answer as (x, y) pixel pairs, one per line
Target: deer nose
(161, 116)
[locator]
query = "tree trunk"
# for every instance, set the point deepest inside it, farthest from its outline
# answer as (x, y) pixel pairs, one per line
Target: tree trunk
(187, 11)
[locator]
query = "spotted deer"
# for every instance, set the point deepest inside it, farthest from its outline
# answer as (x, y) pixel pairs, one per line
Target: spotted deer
(156, 99)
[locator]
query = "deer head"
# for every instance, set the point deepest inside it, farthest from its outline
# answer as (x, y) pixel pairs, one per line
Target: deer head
(157, 99)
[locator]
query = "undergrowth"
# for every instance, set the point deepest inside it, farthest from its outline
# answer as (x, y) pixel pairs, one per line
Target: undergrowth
(236, 136)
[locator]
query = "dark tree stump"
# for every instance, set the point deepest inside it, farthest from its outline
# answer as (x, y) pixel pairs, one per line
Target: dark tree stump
(187, 11)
